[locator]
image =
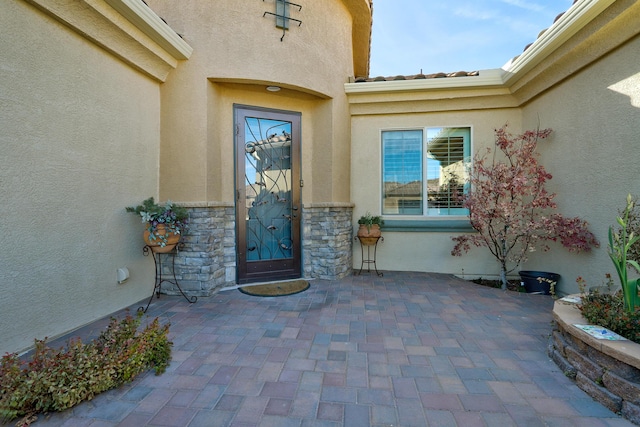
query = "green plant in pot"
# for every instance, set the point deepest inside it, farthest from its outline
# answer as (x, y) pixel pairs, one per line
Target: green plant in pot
(165, 223)
(369, 230)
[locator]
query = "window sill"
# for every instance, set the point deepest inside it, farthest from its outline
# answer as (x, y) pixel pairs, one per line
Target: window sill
(428, 225)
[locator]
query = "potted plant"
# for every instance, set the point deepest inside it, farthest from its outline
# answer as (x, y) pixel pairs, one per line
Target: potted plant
(165, 224)
(510, 209)
(369, 230)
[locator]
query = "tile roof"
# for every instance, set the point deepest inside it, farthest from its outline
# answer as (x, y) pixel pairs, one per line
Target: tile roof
(543, 31)
(418, 76)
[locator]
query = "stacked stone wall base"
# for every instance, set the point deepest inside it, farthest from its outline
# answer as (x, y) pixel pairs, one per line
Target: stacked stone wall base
(327, 241)
(206, 259)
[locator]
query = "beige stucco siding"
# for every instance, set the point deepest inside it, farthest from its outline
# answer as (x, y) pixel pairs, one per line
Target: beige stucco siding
(581, 80)
(417, 250)
(594, 154)
(237, 53)
(221, 176)
(80, 132)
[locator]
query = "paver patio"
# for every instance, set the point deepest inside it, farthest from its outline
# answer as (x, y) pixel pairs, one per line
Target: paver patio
(406, 349)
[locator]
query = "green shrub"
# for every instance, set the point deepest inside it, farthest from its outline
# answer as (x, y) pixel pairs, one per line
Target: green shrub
(55, 380)
(608, 310)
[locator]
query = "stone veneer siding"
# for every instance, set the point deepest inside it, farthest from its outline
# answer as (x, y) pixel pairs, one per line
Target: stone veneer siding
(599, 367)
(206, 260)
(327, 240)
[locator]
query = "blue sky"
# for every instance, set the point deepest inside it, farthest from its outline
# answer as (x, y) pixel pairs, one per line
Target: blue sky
(447, 36)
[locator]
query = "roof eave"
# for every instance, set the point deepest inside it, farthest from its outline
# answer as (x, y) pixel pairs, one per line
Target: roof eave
(139, 14)
(484, 78)
(362, 15)
(572, 21)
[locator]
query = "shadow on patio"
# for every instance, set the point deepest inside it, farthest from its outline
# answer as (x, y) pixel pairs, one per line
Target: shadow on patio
(406, 349)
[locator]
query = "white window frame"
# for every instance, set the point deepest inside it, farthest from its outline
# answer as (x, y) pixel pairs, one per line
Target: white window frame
(426, 214)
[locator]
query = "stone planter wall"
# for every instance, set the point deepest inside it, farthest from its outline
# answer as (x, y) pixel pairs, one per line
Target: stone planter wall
(609, 371)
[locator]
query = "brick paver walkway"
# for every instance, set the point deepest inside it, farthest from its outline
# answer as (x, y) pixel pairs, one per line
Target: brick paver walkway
(408, 349)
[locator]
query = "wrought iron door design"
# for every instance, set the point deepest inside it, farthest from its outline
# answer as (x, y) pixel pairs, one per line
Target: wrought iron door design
(268, 194)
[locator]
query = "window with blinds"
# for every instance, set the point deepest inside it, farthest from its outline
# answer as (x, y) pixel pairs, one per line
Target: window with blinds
(402, 172)
(425, 176)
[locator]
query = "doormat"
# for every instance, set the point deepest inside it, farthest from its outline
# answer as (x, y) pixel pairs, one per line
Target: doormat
(278, 289)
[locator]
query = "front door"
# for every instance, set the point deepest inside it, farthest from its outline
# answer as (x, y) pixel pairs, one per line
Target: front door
(268, 209)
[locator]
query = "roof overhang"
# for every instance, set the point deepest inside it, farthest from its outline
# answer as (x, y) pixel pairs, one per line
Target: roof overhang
(573, 20)
(362, 14)
(139, 14)
(128, 29)
(485, 78)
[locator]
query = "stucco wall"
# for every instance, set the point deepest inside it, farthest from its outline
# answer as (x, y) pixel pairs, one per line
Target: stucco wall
(80, 136)
(237, 53)
(584, 84)
(417, 250)
(594, 154)
(220, 176)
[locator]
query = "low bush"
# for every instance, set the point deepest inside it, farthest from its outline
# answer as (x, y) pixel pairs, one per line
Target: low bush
(608, 310)
(55, 380)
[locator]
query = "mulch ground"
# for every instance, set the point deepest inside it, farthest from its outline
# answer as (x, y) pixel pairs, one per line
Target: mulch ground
(512, 285)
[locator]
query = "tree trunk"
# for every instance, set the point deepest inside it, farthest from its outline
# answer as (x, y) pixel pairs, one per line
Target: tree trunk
(503, 277)
(503, 262)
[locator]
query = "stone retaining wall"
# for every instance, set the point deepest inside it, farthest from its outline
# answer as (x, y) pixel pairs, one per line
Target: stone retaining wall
(609, 371)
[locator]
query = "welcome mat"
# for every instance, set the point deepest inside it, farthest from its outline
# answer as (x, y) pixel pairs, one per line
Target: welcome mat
(277, 289)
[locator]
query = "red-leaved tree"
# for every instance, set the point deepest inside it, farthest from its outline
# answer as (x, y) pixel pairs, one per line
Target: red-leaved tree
(510, 208)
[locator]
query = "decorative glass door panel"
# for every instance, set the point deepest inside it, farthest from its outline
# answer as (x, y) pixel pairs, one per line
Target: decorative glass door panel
(268, 190)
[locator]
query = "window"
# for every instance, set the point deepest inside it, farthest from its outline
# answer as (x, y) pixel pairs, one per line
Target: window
(282, 14)
(425, 176)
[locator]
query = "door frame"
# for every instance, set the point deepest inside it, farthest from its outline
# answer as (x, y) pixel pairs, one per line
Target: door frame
(273, 269)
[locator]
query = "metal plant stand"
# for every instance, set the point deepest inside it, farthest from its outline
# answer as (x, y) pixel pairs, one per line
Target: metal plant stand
(157, 287)
(369, 260)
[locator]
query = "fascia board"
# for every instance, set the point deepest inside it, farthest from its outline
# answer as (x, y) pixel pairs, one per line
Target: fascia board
(486, 78)
(140, 15)
(572, 21)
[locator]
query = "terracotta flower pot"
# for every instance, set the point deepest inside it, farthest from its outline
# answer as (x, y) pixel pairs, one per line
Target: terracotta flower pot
(369, 235)
(155, 245)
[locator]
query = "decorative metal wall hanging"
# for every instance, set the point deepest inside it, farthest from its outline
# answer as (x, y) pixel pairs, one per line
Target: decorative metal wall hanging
(282, 15)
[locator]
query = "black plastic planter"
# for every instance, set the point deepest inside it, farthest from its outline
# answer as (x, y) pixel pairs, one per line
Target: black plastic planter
(538, 282)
